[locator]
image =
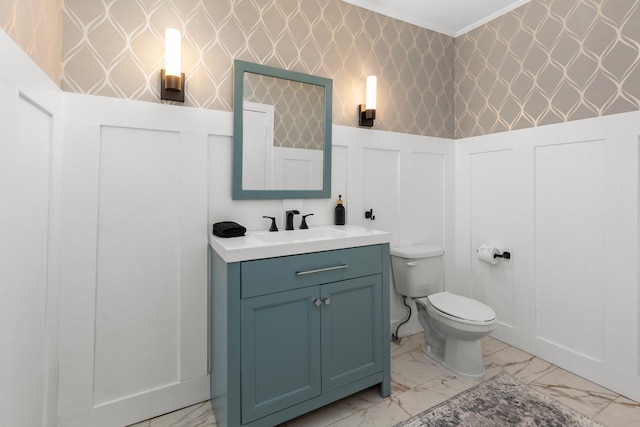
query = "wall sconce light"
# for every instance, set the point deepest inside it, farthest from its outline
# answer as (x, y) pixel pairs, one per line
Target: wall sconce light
(171, 78)
(367, 111)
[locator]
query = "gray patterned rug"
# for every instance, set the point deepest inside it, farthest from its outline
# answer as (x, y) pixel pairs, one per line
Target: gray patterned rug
(500, 401)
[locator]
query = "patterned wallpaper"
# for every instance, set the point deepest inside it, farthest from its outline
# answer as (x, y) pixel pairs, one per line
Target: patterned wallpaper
(545, 62)
(298, 109)
(548, 62)
(36, 26)
(115, 48)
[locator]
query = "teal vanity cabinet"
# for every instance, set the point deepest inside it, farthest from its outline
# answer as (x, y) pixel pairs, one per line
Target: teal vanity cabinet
(293, 333)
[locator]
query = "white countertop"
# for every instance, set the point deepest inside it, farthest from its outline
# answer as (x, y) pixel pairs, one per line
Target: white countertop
(265, 244)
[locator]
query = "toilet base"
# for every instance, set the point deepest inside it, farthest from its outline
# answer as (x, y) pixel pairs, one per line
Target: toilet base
(458, 363)
(461, 358)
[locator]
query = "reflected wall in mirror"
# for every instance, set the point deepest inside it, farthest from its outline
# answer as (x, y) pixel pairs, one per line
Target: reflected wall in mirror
(282, 133)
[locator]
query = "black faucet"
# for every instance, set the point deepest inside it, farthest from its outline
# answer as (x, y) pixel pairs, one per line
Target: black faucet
(273, 223)
(303, 225)
(290, 215)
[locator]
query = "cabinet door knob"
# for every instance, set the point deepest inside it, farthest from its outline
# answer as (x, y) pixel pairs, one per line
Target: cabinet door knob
(317, 303)
(327, 301)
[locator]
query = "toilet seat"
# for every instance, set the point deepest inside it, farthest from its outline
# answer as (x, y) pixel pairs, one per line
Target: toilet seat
(461, 309)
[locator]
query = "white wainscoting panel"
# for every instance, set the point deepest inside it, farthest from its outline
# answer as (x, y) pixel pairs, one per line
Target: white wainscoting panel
(138, 268)
(569, 246)
(571, 209)
(621, 294)
(134, 322)
(297, 168)
(491, 183)
(24, 226)
(424, 194)
(257, 133)
(381, 187)
(30, 156)
(339, 171)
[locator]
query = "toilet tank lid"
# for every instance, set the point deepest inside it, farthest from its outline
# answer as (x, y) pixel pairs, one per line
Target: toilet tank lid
(417, 251)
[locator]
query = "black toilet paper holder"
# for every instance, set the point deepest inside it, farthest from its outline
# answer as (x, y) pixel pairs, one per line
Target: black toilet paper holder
(505, 255)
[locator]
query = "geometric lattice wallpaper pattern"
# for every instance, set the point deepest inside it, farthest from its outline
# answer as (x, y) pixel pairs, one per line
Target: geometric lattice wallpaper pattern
(36, 26)
(115, 48)
(548, 62)
(544, 62)
(298, 109)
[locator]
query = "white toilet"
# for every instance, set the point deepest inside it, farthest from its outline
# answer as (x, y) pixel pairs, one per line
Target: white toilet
(453, 324)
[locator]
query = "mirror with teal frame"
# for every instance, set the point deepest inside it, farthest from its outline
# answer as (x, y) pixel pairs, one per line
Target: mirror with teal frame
(281, 133)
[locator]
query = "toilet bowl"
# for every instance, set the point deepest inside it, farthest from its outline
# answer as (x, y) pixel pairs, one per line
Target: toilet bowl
(453, 325)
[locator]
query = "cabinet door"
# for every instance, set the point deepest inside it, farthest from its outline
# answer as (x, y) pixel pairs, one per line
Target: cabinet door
(351, 330)
(280, 351)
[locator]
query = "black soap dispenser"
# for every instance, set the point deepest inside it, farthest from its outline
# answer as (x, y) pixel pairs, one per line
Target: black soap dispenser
(340, 212)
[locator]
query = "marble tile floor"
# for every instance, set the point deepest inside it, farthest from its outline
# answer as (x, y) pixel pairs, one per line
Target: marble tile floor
(418, 384)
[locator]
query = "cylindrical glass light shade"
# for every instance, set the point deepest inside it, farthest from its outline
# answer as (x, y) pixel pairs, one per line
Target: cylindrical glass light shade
(371, 92)
(172, 57)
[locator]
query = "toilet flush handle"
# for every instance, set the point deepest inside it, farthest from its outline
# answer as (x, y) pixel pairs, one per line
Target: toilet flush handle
(412, 263)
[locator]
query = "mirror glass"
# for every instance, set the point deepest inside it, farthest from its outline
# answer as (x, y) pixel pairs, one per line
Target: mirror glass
(282, 133)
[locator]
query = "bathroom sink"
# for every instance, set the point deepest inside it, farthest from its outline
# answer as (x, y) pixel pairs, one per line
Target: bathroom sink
(265, 244)
(301, 235)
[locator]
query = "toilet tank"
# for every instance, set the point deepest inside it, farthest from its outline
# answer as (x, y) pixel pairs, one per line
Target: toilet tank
(417, 270)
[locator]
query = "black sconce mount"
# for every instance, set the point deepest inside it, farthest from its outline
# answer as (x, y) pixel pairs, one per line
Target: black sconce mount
(171, 87)
(365, 117)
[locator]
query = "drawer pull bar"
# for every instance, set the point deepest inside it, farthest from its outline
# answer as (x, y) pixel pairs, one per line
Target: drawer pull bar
(320, 270)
